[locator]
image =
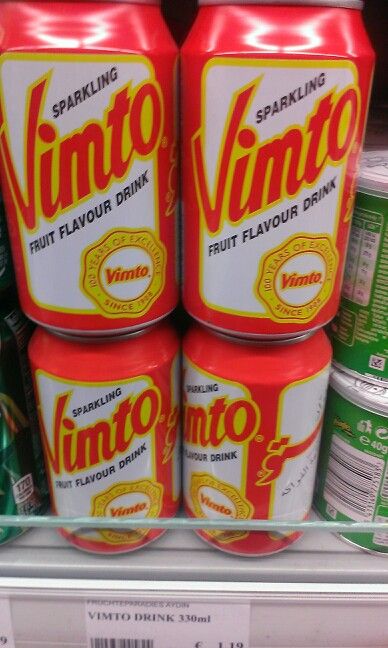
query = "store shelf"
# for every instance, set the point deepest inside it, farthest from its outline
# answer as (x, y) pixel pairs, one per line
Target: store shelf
(318, 557)
(320, 592)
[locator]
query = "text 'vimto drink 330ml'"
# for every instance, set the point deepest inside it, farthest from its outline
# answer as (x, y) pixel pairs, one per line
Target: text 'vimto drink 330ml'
(274, 106)
(88, 155)
(109, 419)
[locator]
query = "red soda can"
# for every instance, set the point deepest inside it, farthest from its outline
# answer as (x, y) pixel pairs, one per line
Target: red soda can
(275, 96)
(252, 423)
(88, 156)
(109, 416)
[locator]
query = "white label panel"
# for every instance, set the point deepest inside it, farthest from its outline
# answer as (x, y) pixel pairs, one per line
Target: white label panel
(157, 624)
(255, 111)
(74, 102)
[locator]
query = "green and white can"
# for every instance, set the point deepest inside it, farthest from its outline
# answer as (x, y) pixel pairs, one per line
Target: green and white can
(23, 486)
(352, 477)
(360, 329)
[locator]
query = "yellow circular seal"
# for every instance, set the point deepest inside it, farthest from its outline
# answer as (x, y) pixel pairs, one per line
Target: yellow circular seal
(141, 498)
(296, 278)
(124, 272)
(210, 495)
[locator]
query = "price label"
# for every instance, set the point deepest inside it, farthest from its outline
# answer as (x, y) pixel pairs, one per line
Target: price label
(114, 623)
(6, 632)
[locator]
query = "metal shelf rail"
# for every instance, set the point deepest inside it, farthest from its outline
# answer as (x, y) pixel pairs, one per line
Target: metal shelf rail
(321, 592)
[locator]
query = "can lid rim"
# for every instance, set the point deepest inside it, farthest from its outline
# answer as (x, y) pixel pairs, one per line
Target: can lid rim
(238, 339)
(101, 339)
(349, 387)
(370, 378)
(345, 4)
(369, 180)
(142, 2)
(150, 2)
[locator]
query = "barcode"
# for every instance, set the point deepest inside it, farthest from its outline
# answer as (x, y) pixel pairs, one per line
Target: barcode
(352, 481)
(384, 487)
(121, 643)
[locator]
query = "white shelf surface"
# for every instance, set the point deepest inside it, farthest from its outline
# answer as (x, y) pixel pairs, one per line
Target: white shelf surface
(321, 592)
(318, 557)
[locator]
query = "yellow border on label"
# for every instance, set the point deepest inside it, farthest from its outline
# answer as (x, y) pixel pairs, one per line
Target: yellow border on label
(76, 383)
(154, 491)
(279, 417)
(329, 256)
(320, 64)
(51, 58)
(247, 394)
(243, 508)
(175, 374)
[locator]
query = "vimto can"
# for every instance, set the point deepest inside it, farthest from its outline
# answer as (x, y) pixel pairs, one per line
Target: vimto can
(109, 418)
(360, 330)
(252, 422)
(352, 480)
(88, 156)
(275, 96)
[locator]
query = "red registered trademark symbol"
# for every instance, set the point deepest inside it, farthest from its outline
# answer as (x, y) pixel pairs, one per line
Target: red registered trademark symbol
(162, 419)
(164, 142)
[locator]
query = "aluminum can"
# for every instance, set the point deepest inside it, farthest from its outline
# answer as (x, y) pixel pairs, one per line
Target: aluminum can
(252, 422)
(275, 97)
(109, 424)
(360, 330)
(88, 155)
(352, 478)
(23, 486)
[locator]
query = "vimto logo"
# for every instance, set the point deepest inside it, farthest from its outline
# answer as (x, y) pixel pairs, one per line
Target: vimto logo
(120, 275)
(296, 280)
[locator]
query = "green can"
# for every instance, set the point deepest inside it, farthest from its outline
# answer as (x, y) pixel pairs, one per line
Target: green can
(23, 486)
(360, 330)
(352, 477)
(6, 267)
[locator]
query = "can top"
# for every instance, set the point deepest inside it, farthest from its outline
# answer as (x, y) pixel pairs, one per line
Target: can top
(115, 358)
(147, 2)
(142, 2)
(360, 392)
(139, 2)
(374, 172)
(101, 339)
(269, 341)
(345, 4)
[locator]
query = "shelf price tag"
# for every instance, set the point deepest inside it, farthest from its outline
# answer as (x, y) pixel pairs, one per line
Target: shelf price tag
(6, 631)
(127, 623)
